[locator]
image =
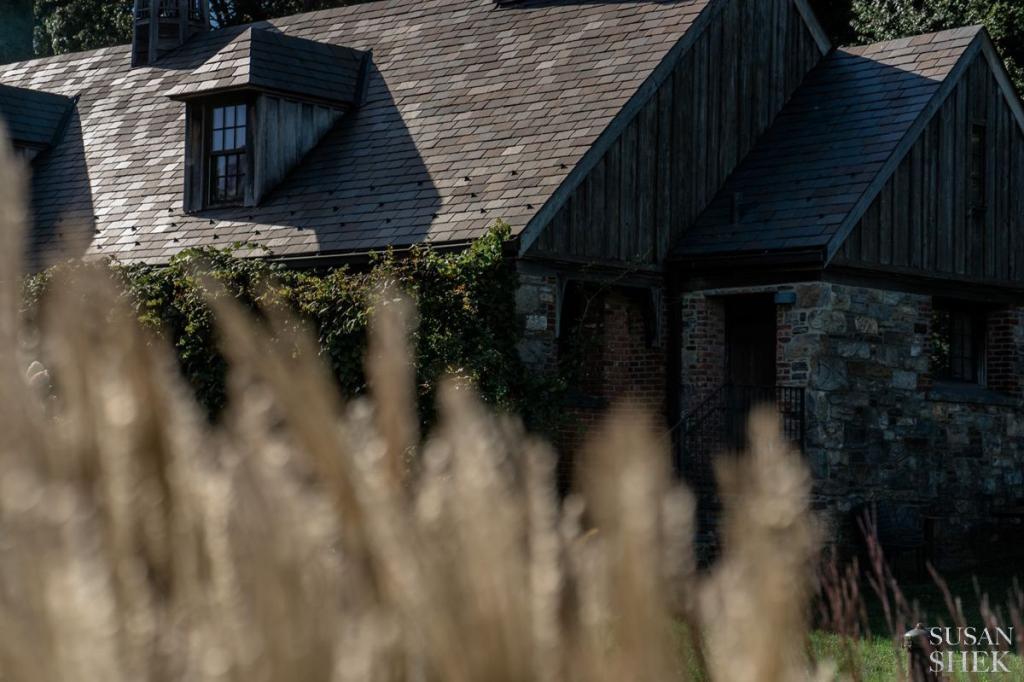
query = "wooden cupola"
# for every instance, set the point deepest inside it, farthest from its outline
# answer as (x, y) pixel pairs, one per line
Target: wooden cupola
(162, 25)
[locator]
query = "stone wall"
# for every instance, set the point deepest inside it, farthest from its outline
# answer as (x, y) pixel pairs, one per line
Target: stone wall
(880, 428)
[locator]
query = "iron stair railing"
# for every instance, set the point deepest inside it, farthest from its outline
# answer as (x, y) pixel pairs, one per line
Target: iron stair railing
(719, 424)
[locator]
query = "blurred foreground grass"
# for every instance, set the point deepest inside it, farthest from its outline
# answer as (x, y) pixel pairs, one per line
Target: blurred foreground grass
(314, 537)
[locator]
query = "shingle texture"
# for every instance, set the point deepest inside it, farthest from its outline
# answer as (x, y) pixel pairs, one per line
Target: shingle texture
(31, 117)
(265, 60)
(828, 144)
(473, 113)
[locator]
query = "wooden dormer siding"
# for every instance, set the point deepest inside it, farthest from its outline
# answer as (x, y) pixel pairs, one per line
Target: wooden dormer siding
(667, 164)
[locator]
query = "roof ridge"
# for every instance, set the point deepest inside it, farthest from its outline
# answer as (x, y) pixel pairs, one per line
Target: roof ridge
(957, 32)
(908, 140)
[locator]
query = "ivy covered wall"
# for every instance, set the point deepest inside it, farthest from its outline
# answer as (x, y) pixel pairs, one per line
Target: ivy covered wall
(467, 323)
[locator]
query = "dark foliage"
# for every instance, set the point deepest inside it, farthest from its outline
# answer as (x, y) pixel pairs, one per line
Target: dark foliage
(836, 16)
(467, 325)
(74, 25)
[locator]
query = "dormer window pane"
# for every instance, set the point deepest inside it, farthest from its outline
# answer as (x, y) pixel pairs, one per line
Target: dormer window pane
(228, 154)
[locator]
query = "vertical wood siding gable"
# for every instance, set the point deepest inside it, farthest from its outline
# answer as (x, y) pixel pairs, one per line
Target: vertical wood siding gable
(923, 220)
(673, 157)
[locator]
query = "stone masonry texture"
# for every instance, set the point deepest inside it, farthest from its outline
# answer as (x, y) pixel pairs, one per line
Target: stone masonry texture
(880, 429)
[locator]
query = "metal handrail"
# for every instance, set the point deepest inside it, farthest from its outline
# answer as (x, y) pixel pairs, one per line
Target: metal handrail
(718, 424)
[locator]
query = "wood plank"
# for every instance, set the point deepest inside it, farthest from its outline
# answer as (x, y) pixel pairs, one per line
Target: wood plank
(928, 236)
(713, 104)
(700, 124)
(729, 100)
(944, 259)
(1000, 146)
(597, 216)
(961, 172)
(682, 148)
(852, 249)
(613, 219)
(666, 139)
(902, 199)
(869, 234)
(628, 195)
(990, 237)
(646, 179)
(915, 194)
(885, 226)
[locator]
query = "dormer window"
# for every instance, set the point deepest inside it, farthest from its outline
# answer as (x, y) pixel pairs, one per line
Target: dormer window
(228, 155)
(256, 107)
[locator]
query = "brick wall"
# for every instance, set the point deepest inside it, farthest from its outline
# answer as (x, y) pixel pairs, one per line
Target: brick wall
(703, 362)
(633, 365)
(1004, 361)
(606, 333)
(616, 359)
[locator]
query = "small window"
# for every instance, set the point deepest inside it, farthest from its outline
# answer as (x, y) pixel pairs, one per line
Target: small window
(168, 8)
(979, 167)
(228, 154)
(958, 343)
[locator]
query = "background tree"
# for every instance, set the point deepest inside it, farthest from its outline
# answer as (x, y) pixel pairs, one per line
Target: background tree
(874, 20)
(835, 16)
(231, 12)
(15, 30)
(75, 25)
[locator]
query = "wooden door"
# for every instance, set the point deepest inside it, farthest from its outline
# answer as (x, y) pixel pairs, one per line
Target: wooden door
(750, 340)
(750, 362)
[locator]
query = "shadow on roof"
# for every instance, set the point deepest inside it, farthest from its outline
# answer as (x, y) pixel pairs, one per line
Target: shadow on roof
(64, 223)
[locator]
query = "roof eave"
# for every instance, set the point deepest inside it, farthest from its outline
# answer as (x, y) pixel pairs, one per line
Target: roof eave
(247, 87)
(812, 258)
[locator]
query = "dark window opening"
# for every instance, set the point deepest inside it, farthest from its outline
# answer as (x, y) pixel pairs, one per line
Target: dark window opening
(958, 343)
(228, 154)
(168, 8)
(979, 167)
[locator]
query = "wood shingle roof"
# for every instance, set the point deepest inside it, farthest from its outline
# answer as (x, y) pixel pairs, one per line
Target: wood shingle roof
(473, 112)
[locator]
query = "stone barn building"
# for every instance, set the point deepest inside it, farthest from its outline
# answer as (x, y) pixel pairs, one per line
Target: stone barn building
(711, 206)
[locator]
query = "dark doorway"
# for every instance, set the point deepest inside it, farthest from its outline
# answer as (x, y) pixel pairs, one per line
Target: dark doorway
(750, 362)
(750, 340)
